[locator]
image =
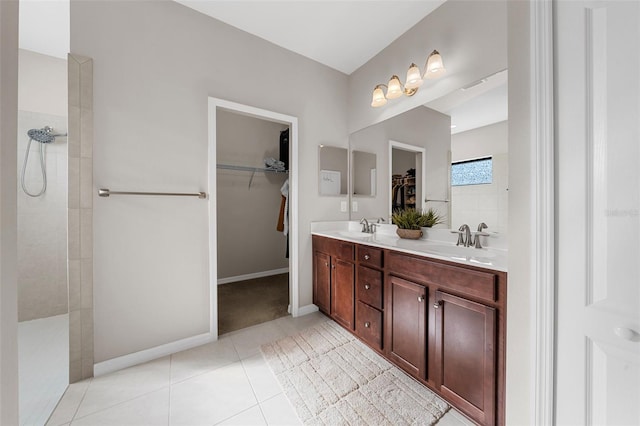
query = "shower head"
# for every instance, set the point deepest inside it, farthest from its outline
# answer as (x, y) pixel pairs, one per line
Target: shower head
(45, 135)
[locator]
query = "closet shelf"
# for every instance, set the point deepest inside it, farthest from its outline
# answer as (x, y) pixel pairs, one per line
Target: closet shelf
(253, 170)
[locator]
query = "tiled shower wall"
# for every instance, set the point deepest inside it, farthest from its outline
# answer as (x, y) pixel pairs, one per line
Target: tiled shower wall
(472, 204)
(80, 217)
(42, 222)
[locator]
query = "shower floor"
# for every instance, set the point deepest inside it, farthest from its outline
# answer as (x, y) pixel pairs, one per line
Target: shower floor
(43, 353)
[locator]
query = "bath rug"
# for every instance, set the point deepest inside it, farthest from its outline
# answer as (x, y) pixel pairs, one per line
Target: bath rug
(331, 378)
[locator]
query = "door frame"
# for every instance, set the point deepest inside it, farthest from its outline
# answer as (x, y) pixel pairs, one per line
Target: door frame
(423, 180)
(214, 105)
(543, 304)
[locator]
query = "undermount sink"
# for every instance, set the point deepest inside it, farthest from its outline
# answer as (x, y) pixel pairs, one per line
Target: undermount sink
(457, 251)
(355, 234)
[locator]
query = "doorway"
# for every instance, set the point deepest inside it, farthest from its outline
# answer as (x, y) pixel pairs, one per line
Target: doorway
(407, 165)
(247, 194)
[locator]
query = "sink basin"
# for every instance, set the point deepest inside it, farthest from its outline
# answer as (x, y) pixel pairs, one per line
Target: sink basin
(457, 251)
(355, 234)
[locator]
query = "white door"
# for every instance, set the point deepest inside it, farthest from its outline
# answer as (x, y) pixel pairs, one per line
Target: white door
(597, 84)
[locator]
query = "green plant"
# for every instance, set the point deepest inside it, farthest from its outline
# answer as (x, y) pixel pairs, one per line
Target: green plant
(433, 218)
(414, 219)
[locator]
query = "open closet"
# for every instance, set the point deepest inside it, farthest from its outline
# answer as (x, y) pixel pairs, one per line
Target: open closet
(252, 156)
(405, 179)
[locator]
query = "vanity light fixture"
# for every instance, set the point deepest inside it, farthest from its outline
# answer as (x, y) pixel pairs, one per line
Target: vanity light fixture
(434, 68)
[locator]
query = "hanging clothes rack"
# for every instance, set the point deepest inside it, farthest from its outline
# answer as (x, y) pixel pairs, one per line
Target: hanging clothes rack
(253, 170)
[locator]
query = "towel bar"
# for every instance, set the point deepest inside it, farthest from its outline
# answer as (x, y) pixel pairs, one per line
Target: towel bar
(104, 192)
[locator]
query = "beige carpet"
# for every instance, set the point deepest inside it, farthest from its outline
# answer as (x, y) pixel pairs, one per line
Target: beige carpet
(331, 378)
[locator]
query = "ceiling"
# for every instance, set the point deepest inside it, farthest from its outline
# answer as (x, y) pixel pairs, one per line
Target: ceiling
(45, 27)
(343, 35)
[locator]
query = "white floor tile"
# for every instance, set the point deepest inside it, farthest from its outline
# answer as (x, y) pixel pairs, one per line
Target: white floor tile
(148, 410)
(68, 405)
(43, 353)
(278, 411)
(204, 358)
(251, 417)
(211, 397)
(463, 421)
(263, 381)
(111, 389)
(249, 340)
(290, 325)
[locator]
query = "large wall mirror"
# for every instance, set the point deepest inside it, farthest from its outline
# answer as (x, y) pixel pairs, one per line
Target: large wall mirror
(462, 126)
(364, 174)
(333, 167)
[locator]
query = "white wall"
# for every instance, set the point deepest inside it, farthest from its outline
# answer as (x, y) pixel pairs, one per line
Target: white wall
(155, 64)
(422, 127)
(42, 83)
(248, 214)
(42, 221)
(8, 213)
(470, 35)
(472, 204)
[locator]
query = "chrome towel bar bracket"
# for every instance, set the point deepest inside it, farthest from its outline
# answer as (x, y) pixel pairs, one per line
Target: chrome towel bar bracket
(104, 192)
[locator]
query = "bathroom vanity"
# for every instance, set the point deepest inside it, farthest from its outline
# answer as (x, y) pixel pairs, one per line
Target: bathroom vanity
(436, 314)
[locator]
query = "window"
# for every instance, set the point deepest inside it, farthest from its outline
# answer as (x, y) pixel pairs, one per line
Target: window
(472, 172)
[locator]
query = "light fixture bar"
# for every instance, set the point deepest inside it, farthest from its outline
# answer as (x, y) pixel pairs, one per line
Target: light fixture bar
(433, 68)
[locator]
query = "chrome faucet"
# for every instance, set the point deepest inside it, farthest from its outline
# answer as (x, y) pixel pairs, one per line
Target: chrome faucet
(466, 240)
(464, 236)
(479, 234)
(365, 225)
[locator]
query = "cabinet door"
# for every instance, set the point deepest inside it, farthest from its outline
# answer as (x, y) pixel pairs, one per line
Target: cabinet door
(342, 292)
(322, 281)
(407, 325)
(465, 353)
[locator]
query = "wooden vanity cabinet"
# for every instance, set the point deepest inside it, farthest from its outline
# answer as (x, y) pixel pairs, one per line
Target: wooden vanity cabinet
(369, 295)
(333, 279)
(342, 292)
(441, 322)
(322, 281)
(407, 325)
(465, 353)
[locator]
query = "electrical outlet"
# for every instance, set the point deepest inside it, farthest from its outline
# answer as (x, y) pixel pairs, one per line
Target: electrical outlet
(343, 206)
(354, 206)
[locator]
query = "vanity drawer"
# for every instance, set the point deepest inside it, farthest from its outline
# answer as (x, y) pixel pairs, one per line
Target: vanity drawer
(369, 255)
(336, 248)
(482, 285)
(369, 325)
(369, 287)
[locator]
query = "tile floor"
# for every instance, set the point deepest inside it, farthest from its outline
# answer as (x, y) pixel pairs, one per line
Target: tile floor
(43, 372)
(222, 383)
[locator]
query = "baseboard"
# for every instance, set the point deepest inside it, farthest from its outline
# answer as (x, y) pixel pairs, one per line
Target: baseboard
(252, 276)
(150, 354)
(306, 310)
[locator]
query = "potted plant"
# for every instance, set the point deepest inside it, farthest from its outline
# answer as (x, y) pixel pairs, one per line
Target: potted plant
(410, 222)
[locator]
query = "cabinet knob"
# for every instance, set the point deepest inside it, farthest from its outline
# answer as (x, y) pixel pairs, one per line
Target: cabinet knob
(420, 299)
(367, 286)
(326, 263)
(437, 304)
(367, 257)
(367, 324)
(333, 266)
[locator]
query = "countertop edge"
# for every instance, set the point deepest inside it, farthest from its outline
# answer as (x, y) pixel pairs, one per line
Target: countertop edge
(370, 242)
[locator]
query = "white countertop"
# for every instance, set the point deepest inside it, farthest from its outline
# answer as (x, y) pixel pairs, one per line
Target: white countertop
(437, 244)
